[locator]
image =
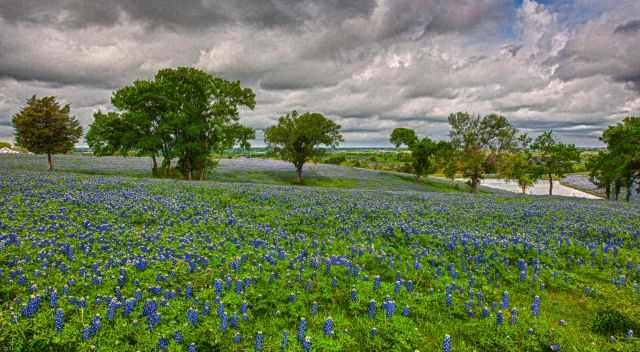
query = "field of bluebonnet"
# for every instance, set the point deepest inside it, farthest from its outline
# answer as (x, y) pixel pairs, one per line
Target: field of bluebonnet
(107, 263)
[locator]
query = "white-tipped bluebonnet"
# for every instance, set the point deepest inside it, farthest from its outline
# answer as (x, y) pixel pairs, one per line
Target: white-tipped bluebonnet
(177, 337)
(284, 342)
(306, 344)
(505, 300)
(259, 341)
(513, 319)
(192, 316)
(302, 328)
(372, 309)
(499, 318)
(446, 344)
(405, 311)
(535, 307)
(314, 308)
(224, 322)
(236, 338)
(376, 282)
(374, 332)
(192, 347)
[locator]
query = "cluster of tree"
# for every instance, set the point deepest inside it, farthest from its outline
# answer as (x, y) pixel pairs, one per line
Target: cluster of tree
(618, 166)
(484, 145)
(183, 114)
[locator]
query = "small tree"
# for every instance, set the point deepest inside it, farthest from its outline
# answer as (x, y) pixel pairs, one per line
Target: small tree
(519, 165)
(553, 157)
(296, 137)
(423, 151)
(479, 141)
(623, 154)
(43, 126)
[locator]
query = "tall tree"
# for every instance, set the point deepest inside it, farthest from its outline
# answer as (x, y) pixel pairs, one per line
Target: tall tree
(479, 141)
(297, 138)
(553, 158)
(182, 113)
(43, 126)
(623, 146)
(423, 151)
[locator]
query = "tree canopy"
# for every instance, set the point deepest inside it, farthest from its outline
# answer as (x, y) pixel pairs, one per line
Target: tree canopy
(479, 141)
(423, 151)
(297, 137)
(183, 113)
(43, 126)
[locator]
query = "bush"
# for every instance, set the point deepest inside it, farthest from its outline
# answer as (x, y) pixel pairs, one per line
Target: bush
(335, 159)
(609, 321)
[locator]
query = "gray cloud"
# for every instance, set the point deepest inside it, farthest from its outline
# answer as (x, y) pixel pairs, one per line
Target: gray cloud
(372, 65)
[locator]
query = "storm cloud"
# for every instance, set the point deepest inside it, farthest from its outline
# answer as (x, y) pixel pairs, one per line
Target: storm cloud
(372, 65)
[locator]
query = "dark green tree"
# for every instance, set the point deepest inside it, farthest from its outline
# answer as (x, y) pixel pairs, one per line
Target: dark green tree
(297, 137)
(479, 141)
(43, 126)
(182, 113)
(423, 151)
(553, 158)
(623, 150)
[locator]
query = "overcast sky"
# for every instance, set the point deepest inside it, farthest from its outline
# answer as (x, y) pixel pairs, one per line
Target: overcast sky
(572, 66)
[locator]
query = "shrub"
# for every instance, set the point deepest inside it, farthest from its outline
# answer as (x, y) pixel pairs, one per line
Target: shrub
(609, 321)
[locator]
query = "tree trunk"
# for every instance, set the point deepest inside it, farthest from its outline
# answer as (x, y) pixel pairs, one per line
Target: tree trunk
(524, 189)
(299, 172)
(154, 170)
(475, 181)
(629, 188)
(50, 161)
(607, 191)
(550, 184)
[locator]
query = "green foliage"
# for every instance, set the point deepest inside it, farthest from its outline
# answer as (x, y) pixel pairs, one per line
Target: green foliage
(43, 126)
(182, 113)
(424, 152)
(479, 141)
(609, 321)
(553, 158)
(296, 137)
(519, 165)
(619, 166)
(5, 145)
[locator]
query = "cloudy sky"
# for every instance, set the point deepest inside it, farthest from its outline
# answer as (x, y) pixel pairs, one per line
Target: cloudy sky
(572, 66)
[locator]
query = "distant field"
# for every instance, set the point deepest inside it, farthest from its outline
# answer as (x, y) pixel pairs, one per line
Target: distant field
(244, 170)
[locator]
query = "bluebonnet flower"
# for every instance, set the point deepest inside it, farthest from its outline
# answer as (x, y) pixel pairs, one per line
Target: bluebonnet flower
(192, 316)
(284, 342)
(372, 309)
(405, 311)
(334, 282)
(555, 347)
(446, 344)
(513, 319)
(448, 300)
(86, 333)
(163, 343)
(301, 329)
(223, 321)
(259, 341)
(306, 344)
(188, 291)
(629, 334)
(58, 319)
(409, 286)
(353, 294)
(374, 332)
(396, 288)
(485, 312)
(505, 300)
(177, 337)
(192, 347)
(535, 307)
(499, 317)
(530, 331)
(376, 282)
(391, 308)
(111, 309)
(234, 320)
(53, 300)
(328, 326)
(314, 308)
(236, 338)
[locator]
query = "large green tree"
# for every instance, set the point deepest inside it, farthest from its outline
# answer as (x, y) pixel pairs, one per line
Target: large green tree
(298, 137)
(423, 151)
(183, 113)
(43, 126)
(479, 141)
(623, 154)
(553, 158)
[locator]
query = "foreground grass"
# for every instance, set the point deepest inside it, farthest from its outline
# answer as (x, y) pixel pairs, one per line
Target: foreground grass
(78, 234)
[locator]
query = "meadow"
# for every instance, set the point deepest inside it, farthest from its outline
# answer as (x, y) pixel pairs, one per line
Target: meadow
(110, 263)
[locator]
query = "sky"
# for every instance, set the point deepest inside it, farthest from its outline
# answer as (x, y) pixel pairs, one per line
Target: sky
(571, 66)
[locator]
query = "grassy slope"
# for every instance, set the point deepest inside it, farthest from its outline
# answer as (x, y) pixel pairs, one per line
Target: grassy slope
(245, 171)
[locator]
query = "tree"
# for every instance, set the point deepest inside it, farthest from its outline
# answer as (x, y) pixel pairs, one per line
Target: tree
(553, 157)
(519, 165)
(43, 126)
(182, 113)
(479, 141)
(603, 172)
(423, 151)
(5, 145)
(623, 155)
(296, 137)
